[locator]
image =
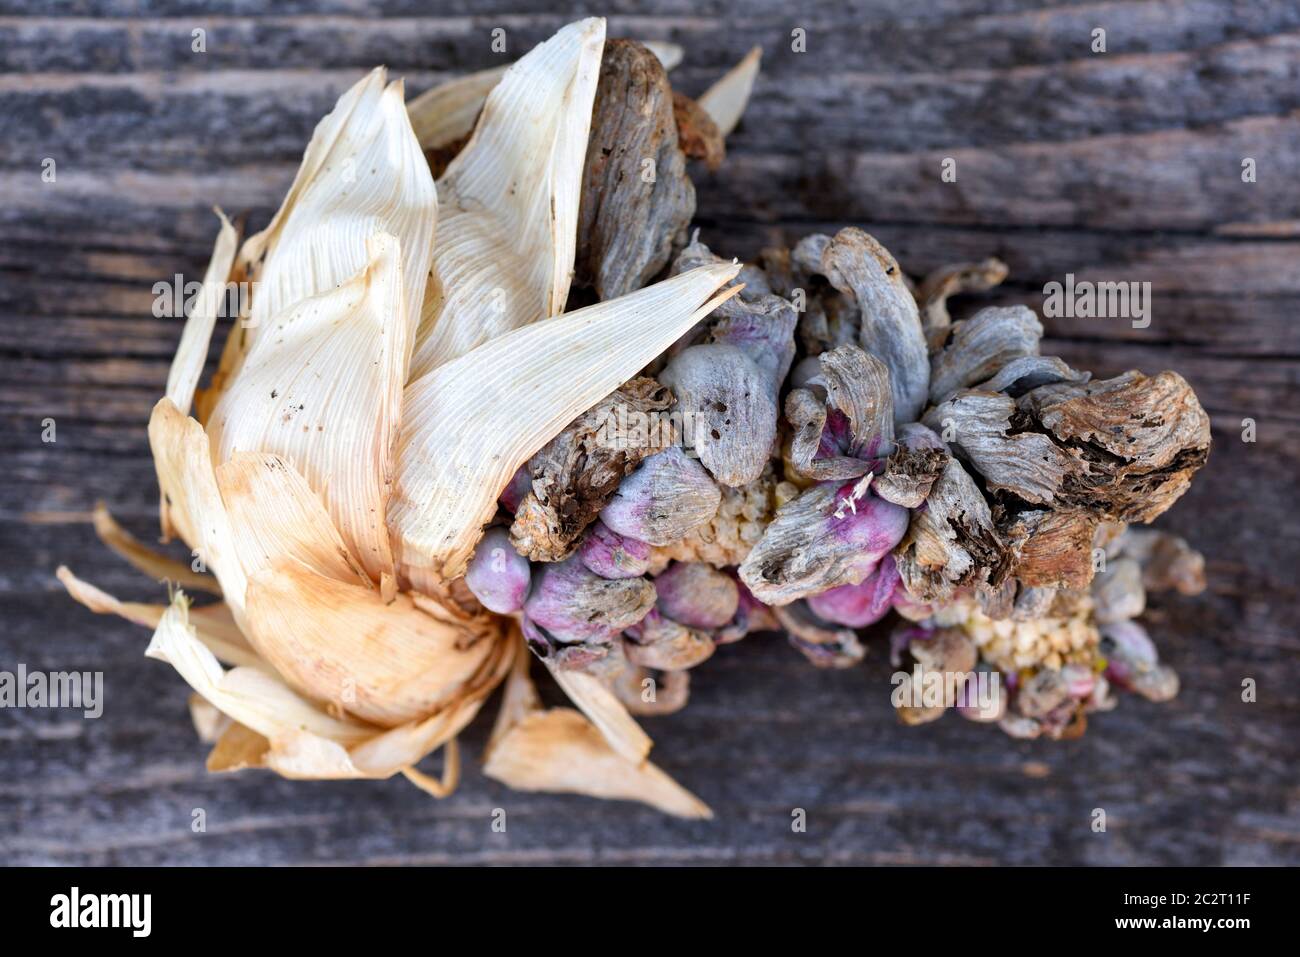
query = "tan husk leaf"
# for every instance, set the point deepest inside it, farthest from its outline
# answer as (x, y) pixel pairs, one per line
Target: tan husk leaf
(340, 643)
(213, 623)
(303, 740)
(275, 516)
(157, 566)
(446, 113)
(237, 749)
(606, 712)
(191, 500)
(559, 750)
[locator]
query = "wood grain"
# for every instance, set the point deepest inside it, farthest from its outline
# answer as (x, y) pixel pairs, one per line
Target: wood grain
(1123, 165)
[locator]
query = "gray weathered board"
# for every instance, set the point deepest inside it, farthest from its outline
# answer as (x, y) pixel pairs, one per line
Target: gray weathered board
(1122, 165)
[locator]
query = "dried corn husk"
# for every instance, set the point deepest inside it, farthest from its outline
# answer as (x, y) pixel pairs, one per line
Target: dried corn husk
(445, 114)
(725, 101)
(303, 740)
(559, 750)
(323, 388)
(191, 500)
(192, 352)
(215, 625)
(156, 566)
(508, 204)
(362, 174)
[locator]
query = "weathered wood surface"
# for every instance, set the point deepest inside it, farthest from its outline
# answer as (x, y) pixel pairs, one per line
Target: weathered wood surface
(1119, 166)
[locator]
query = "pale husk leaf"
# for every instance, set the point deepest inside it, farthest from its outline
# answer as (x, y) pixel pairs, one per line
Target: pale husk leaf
(238, 749)
(726, 100)
(443, 786)
(471, 423)
(446, 113)
(192, 352)
(508, 203)
(323, 389)
(303, 741)
(209, 723)
(362, 173)
(560, 751)
(403, 746)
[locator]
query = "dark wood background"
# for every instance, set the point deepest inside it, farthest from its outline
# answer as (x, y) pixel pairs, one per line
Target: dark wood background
(1123, 165)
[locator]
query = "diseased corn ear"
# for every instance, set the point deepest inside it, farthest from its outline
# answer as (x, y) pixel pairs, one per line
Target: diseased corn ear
(628, 223)
(363, 173)
(191, 501)
(576, 473)
(1027, 464)
(192, 352)
(941, 284)
(981, 346)
(726, 100)
(508, 204)
(560, 751)
(953, 542)
(856, 385)
(445, 114)
(470, 424)
(832, 534)
(323, 389)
